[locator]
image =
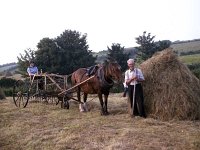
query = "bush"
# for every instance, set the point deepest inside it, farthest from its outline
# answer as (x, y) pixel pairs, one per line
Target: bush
(8, 91)
(195, 69)
(117, 88)
(196, 72)
(6, 85)
(7, 82)
(2, 95)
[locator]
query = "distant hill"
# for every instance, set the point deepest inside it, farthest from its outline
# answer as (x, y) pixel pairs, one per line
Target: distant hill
(101, 55)
(182, 47)
(8, 69)
(132, 51)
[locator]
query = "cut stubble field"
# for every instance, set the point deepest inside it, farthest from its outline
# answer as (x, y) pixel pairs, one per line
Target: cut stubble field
(48, 127)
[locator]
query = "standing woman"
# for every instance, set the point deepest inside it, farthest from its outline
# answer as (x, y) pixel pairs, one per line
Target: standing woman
(133, 78)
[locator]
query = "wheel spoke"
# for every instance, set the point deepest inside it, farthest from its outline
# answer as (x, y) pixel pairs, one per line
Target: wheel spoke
(19, 101)
(20, 93)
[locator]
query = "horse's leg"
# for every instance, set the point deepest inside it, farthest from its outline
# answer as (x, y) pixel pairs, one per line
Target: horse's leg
(79, 99)
(101, 102)
(85, 100)
(79, 94)
(105, 104)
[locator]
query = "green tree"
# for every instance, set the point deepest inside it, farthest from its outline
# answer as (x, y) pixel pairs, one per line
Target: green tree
(161, 45)
(116, 52)
(24, 59)
(64, 54)
(47, 55)
(147, 46)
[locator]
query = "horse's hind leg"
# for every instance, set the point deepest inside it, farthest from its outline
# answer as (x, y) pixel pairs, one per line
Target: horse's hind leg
(85, 100)
(79, 94)
(79, 99)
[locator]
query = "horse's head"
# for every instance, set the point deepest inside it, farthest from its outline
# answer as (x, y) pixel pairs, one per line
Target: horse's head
(113, 70)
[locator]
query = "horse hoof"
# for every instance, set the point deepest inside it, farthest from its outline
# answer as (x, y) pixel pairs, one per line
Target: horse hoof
(104, 113)
(81, 108)
(85, 107)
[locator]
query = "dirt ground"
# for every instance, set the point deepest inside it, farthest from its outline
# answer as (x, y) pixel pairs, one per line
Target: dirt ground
(45, 126)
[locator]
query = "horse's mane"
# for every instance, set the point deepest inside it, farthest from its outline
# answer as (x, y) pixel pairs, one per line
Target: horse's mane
(108, 67)
(105, 73)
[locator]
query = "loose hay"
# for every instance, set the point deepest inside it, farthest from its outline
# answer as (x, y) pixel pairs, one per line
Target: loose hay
(171, 91)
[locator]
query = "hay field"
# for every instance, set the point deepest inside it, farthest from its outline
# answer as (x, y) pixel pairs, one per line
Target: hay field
(193, 45)
(48, 127)
(190, 59)
(14, 76)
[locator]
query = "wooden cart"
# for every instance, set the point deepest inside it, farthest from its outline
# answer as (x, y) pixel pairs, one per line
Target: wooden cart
(39, 87)
(45, 87)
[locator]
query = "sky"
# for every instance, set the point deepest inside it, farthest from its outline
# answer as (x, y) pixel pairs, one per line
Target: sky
(25, 22)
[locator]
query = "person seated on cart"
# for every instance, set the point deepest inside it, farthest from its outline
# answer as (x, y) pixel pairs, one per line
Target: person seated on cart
(32, 71)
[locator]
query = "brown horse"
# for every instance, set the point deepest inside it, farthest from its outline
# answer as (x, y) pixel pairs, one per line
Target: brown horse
(100, 84)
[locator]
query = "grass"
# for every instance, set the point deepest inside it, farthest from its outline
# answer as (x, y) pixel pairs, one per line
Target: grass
(14, 76)
(48, 127)
(190, 59)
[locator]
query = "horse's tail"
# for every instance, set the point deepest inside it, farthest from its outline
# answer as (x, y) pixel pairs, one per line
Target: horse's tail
(77, 89)
(73, 79)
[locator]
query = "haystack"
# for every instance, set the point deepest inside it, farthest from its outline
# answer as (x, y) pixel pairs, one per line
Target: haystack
(171, 91)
